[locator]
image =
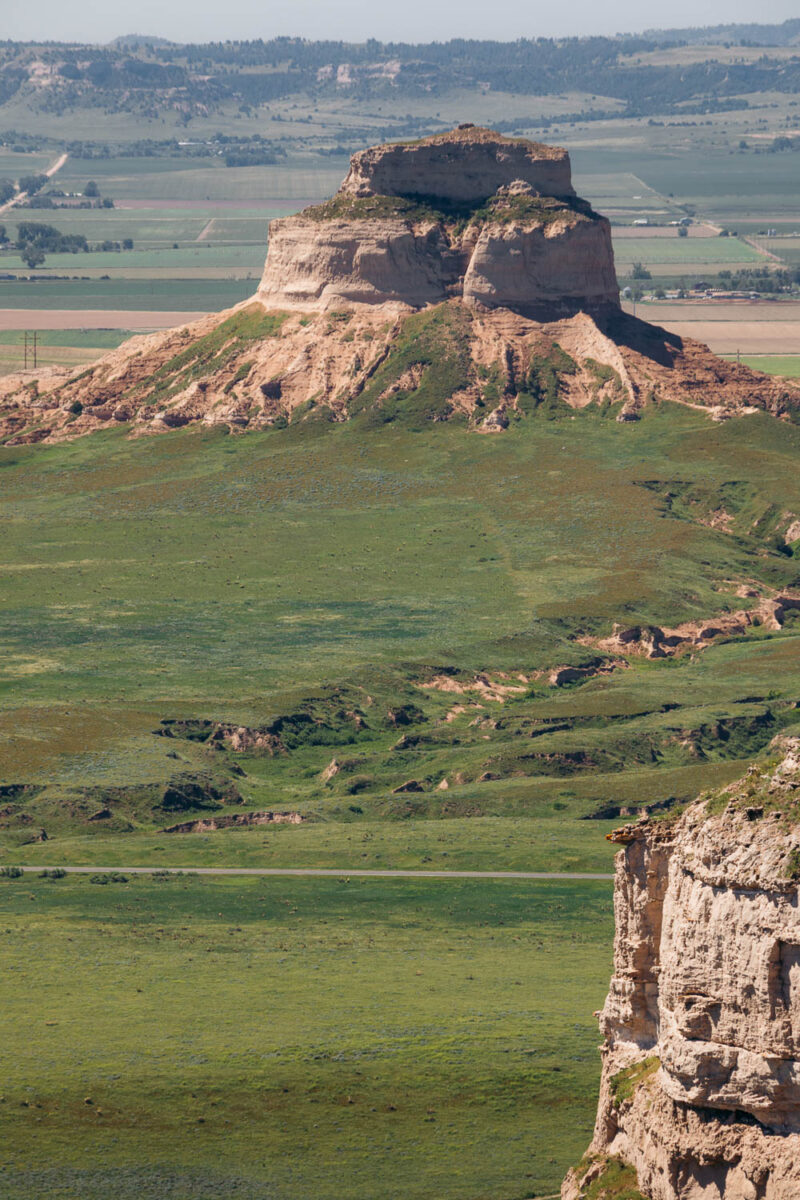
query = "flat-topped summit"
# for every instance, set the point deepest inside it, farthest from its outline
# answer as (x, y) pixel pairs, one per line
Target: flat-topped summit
(469, 214)
(465, 165)
(454, 278)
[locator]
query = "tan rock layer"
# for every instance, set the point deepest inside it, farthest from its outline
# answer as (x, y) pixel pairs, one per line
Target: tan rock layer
(701, 1061)
(463, 165)
(561, 266)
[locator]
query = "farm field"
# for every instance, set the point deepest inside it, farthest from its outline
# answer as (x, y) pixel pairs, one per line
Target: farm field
(684, 256)
(167, 295)
(13, 320)
(685, 253)
(751, 328)
(361, 1027)
(787, 365)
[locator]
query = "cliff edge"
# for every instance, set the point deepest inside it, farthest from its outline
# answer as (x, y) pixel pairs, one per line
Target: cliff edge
(700, 1090)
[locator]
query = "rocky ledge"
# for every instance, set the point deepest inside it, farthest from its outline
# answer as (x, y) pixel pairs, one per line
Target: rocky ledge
(455, 278)
(700, 1091)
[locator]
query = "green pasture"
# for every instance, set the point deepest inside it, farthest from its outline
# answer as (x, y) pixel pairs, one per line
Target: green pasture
(327, 544)
(295, 1037)
(107, 339)
(152, 229)
(787, 365)
(157, 227)
(620, 190)
(787, 248)
(691, 252)
(303, 178)
(58, 347)
(161, 295)
(717, 183)
(13, 165)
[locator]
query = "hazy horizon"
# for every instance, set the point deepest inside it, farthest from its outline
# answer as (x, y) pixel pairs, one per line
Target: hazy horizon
(414, 21)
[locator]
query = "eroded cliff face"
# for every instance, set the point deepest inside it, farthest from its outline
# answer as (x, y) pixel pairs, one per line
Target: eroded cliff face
(490, 220)
(700, 1092)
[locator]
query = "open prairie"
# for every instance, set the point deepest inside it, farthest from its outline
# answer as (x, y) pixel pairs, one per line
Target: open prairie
(334, 1038)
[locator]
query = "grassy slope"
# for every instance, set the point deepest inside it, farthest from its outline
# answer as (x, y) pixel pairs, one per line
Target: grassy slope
(294, 1038)
(274, 565)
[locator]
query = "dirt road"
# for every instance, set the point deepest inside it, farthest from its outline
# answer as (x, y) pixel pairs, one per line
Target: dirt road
(22, 196)
(338, 873)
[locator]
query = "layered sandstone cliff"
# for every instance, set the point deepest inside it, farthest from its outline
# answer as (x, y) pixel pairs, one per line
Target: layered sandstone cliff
(700, 1092)
(458, 277)
(491, 220)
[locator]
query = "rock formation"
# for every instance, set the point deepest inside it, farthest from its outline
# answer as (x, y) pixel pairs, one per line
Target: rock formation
(700, 1091)
(455, 277)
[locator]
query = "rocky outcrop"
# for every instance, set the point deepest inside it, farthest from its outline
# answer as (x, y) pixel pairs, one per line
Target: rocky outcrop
(236, 821)
(457, 277)
(700, 1091)
(463, 166)
(493, 221)
(656, 641)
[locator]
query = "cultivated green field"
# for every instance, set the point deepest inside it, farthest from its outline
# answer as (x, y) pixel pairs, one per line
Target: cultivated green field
(787, 365)
(689, 253)
(158, 295)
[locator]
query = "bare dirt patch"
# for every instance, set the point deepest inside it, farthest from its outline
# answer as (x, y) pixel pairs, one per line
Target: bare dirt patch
(236, 821)
(93, 318)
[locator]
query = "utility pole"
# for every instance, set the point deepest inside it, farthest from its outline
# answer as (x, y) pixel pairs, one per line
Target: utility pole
(30, 348)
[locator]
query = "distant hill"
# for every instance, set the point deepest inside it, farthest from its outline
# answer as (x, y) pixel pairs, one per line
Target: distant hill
(786, 34)
(132, 41)
(152, 78)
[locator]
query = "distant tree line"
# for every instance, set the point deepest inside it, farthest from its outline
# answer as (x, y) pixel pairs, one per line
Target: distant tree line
(35, 240)
(199, 78)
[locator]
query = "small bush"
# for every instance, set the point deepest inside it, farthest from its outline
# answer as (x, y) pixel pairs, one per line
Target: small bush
(52, 873)
(10, 872)
(110, 877)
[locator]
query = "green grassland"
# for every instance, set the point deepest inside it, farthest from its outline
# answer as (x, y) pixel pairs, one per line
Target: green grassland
(787, 365)
(296, 577)
(205, 1038)
(58, 346)
(168, 262)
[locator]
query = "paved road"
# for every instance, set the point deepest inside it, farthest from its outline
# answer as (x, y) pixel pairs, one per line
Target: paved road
(337, 872)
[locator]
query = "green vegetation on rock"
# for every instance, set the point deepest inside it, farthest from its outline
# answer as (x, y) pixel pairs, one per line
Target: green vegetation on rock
(625, 1082)
(616, 1180)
